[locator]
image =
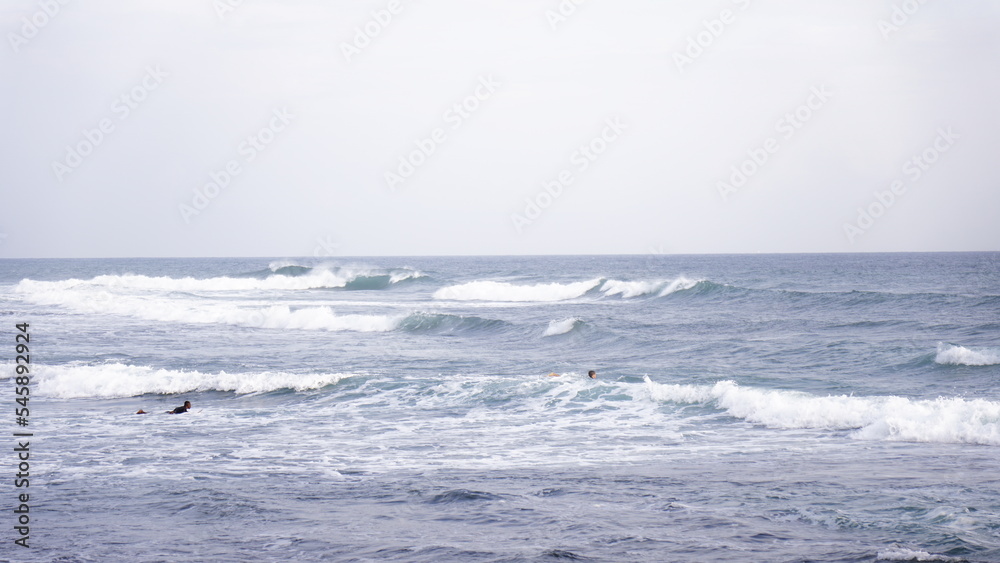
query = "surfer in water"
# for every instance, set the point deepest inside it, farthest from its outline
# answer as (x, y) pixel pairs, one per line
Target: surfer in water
(179, 410)
(182, 409)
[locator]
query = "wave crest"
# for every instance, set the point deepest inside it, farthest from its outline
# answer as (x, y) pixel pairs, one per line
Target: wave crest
(121, 380)
(563, 326)
(504, 291)
(949, 420)
(962, 356)
(277, 277)
(188, 311)
(550, 292)
(662, 288)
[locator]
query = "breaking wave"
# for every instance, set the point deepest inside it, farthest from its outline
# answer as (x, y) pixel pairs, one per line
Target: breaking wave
(121, 380)
(563, 326)
(261, 316)
(941, 420)
(503, 291)
(285, 277)
(177, 310)
(551, 292)
(962, 356)
(949, 420)
(661, 288)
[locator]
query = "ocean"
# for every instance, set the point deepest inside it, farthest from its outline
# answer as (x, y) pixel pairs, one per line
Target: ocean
(746, 408)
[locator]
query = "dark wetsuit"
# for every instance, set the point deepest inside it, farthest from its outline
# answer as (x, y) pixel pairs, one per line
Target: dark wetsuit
(179, 410)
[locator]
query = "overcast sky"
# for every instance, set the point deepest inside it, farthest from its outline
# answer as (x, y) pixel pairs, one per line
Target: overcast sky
(435, 127)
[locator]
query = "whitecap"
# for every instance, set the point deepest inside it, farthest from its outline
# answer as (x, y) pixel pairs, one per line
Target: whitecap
(122, 380)
(562, 326)
(188, 311)
(962, 356)
(504, 291)
(947, 420)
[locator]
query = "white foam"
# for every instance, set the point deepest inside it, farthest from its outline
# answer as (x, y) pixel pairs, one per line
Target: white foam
(503, 291)
(279, 264)
(904, 554)
(962, 356)
(630, 289)
(539, 415)
(92, 300)
(679, 284)
(562, 326)
(318, 318)
(317, 278)
(403, 275)
(121, 380)
(547, 292)
(949, 420)
(314, 280)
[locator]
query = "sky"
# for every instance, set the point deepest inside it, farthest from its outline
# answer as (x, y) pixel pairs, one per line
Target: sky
(466, 127)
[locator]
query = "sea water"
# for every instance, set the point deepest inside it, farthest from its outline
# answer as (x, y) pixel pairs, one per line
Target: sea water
(746, 408)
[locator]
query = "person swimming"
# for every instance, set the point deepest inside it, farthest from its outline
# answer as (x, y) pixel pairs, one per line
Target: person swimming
(182, 409)
(179, 410)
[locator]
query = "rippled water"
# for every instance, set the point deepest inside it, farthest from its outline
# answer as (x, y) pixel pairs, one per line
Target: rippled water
(747, 408)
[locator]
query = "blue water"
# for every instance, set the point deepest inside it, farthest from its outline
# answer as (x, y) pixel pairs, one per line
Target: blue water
(746, 408)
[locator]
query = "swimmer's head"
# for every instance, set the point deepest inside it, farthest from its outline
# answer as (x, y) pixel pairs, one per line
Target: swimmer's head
(187, 404)
(592, 374)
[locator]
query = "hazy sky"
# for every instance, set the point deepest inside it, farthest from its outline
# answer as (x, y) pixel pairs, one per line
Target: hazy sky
(425, 127)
